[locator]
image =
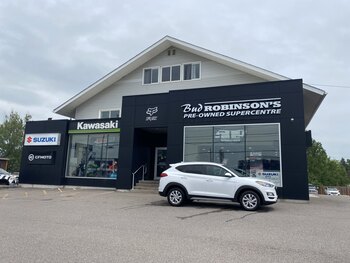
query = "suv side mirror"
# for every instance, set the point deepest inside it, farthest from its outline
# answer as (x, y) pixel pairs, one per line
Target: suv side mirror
(228, 174)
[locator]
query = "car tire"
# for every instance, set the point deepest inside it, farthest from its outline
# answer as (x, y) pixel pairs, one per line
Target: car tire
(176, 196)
(250, 201)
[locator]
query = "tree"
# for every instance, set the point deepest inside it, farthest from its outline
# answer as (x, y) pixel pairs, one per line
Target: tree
(11, 139)
(346, 165)
(322, 170)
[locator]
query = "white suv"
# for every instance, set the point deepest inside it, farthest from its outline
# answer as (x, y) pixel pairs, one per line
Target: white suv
(203, 180)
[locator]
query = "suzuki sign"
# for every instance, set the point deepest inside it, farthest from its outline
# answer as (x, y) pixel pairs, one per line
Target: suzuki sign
(42, 139)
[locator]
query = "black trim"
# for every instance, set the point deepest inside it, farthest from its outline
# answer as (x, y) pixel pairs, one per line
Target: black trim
(170, 185)
(269, 202)
(210, 197)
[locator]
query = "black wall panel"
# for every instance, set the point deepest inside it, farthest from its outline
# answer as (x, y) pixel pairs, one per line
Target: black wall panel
(51, 174)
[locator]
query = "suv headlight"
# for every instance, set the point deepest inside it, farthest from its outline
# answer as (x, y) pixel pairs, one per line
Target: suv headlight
(265, 184)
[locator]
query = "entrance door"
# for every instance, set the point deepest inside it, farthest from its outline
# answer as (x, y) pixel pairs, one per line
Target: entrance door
(160, 163)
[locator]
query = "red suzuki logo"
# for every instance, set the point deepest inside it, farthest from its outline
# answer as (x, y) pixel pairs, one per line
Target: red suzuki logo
(29, 139)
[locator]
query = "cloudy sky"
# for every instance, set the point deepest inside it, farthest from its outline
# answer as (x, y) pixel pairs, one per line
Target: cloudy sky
(50, 50)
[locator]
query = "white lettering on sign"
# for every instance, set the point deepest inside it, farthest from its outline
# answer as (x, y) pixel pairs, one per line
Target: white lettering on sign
(151, 112)
(270, 106)
(42, 139)
(32, 157)
(97, 126)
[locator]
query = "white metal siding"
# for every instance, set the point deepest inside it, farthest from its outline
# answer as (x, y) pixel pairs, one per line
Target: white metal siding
(212, 74)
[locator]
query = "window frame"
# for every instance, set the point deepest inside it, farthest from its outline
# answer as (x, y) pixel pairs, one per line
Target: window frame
(151, 68)
(109, 115)
(192, 63)
(171, 74)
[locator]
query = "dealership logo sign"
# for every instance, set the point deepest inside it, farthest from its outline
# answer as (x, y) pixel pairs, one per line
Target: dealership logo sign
(30, 157)
(41, 158)
(81, 125)
(151, 112)
(270, 106)
(42, 139)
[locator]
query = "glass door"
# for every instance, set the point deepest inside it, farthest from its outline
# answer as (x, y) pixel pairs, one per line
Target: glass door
(160, 163)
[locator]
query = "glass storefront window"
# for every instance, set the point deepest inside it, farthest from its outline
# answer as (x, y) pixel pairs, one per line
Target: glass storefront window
(253, 150)
(229, 145)
(93, 155)
(198, 144)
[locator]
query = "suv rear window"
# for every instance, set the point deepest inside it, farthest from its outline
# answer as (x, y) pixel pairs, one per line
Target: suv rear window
(194, 169)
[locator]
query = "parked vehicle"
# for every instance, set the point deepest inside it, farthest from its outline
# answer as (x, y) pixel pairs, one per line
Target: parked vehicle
(7, 178)
(331, 191)
(204, 180)
(313, 189)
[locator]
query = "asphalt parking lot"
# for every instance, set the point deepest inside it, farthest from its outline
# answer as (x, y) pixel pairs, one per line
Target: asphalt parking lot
(98, 225)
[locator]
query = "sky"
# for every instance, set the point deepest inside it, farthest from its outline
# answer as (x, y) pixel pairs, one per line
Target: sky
(50, 50)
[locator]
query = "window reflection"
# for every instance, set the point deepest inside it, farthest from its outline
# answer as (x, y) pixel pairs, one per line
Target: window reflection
(93, 155)
(250, 149)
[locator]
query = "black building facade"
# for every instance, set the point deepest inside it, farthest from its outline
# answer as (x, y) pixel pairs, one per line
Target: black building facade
(257, 129)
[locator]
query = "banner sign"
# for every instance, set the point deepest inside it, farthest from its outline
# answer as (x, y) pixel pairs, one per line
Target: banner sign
(42, 139)
(256, 107)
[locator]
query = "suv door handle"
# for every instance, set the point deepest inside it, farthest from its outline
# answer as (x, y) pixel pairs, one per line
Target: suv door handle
(209, 180)
(183, 177)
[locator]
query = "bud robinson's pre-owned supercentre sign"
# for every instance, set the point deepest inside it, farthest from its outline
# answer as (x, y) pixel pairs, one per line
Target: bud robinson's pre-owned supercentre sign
(270, 106)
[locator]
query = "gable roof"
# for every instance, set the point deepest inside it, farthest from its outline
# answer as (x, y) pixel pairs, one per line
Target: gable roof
(68, 108)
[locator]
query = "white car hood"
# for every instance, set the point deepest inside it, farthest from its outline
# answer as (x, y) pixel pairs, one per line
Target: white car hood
(253, 179)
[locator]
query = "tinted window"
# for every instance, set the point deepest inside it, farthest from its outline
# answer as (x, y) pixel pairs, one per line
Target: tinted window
(175, 73)
(215, 170)
(191, 71)
(150, 76)
(114, 113)
(104, 114)
(154, 75)
(147, 76)
(166, 74)
(194, 169)
(187, 71)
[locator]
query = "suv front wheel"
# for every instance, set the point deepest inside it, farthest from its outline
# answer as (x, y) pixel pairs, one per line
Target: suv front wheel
(176, 196)
(250, 201)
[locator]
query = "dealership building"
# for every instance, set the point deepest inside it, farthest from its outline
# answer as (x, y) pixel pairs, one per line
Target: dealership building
(176, 102)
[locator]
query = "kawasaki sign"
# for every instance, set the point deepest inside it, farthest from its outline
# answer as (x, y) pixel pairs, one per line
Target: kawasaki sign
(94, 126)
